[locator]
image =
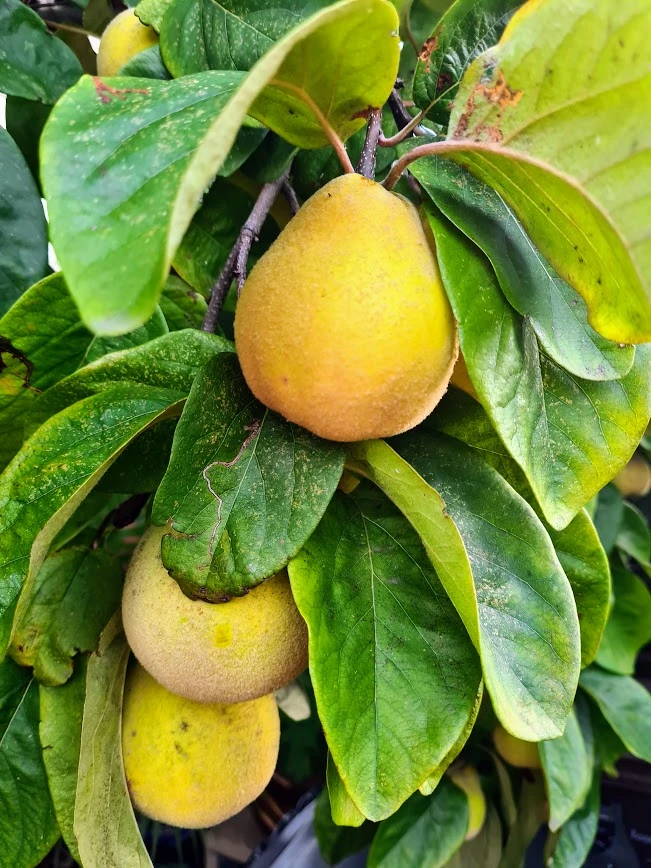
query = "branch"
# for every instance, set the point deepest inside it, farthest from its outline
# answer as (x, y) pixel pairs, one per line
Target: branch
(235, 265)
(400, 114)
(429, 150)
(290, 195)
(366, 165)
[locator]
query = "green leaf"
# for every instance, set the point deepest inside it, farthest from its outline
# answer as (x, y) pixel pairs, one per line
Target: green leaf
(499, 568)
(608, 746)
(628, 628)
(431, 783)
(44, 325)
(634, 537)
(244, 489)
(338, 842)
(466, 29)
(33, 63)
(25, 121)
(62, 709)
(88, 515)
(578, 547)
(102, 346)
(215, 227)
(23, 232)
(425, 832)
(342, 808)
(55, 470)
(485, 849)
(578, 833)
(147, 63)
(68, 605)
(28, 827)
(142, 465)
(609, 516)
(560, 429)
(226, 34)
(182, 307)
(570, 152)
(169, 362)
(104, 822)
(116, 210)
(532, 813)
(152, 12)
(394, 674)
(568, 772)
(625, 704)
(558, 314)
(362, 52)
(112, 194)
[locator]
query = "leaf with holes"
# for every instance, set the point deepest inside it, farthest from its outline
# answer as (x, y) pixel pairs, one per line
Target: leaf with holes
(570, 436)
(394, 673)
(244, 488)
(499, 568)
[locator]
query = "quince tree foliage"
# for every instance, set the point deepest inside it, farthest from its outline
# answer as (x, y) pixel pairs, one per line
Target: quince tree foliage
(472, 572)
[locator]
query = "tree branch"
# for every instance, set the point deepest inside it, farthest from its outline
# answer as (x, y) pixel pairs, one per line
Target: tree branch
(366, 165)
(235, 265)
(400, 114)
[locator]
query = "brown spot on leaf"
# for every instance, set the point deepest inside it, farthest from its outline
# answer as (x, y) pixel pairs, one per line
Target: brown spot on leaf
(105, 91)
(429, 47)
(443, 82)
(498, 93)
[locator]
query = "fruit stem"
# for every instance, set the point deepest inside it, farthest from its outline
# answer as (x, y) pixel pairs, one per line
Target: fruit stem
(366, 165)
(429, 150)
(235, 265)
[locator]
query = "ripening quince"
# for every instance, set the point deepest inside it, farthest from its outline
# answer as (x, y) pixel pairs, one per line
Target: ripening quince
(343, 325)
(467, 779)
(194, 764)
(123, 38)
(515, 751)
(211, 652)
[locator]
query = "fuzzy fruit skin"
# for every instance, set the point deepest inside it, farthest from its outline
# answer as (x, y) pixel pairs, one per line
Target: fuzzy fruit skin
(467, 779)
(514, 751)
(211, 652)
(123, 38)
(193, 764)
(343, 326)
(461, 378)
